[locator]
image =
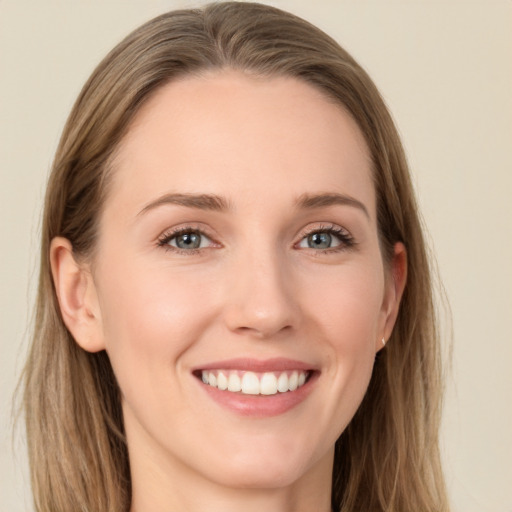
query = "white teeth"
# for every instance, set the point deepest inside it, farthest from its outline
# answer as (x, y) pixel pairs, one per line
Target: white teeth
(222, 381)
(282, 383)
(268, 384)
(251, 383)
(293, 381)
(234, 383)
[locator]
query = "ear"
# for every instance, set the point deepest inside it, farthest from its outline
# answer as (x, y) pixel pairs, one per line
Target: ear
(395, 284)
(77, 296)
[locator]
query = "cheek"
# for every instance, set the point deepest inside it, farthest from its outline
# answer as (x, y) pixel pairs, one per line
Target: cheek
(349, 307)
(150, 316)
(348, 317)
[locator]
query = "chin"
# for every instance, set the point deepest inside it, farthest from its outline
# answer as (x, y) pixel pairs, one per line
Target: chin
(260, 475)
(266, 468)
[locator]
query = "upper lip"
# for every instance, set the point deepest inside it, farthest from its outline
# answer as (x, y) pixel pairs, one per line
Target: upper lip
(257, 365)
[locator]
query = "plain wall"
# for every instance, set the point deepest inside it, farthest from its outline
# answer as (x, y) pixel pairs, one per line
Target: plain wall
(444, 68)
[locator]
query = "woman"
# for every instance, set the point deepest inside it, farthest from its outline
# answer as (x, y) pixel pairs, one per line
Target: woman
(235, 306)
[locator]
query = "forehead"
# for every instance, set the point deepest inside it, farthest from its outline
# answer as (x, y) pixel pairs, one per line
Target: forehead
(240, 136)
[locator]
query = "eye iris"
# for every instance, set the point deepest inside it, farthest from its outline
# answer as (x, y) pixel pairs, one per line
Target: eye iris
(188, 241)
(319, 240)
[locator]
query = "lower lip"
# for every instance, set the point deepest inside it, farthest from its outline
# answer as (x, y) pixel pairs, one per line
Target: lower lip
(260, 406)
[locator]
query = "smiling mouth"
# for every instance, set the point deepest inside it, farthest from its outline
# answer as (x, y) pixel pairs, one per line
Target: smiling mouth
(254, 383)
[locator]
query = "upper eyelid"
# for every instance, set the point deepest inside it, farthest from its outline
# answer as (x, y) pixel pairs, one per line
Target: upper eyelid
(186, 228)
(323, 226)
(179, 232)
(344, 235)
(164, 239)
(213, 237)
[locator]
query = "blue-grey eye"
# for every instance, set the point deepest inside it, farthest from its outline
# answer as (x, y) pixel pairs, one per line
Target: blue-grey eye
(326, 239)
(321, 240)
(189, 240)
(185, 240)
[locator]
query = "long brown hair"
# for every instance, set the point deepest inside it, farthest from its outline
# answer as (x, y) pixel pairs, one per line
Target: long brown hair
(388, 458)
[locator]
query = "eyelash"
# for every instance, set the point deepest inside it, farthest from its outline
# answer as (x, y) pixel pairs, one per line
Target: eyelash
(165, 239)
(346, 240)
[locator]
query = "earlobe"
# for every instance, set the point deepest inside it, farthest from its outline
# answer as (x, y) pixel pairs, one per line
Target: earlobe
(395, 286)
(77, 297)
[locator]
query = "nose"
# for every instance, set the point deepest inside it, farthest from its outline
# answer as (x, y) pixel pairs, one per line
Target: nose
(260, 300)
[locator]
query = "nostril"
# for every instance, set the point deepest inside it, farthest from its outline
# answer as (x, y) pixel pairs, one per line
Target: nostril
(264, 331)
(258, 298)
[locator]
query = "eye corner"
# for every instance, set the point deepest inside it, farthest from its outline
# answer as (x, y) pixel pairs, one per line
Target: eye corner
(330, 238)
(188, 240)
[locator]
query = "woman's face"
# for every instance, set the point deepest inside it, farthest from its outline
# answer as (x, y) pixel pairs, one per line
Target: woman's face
(238, 249)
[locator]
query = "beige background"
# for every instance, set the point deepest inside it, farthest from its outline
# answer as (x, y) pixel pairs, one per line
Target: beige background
(445, 69)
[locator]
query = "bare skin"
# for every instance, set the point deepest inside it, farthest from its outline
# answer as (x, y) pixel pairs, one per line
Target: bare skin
(241, 224)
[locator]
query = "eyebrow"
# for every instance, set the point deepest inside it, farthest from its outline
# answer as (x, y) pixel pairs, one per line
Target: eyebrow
(200, 201)
(310, 201)
(213, 202)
